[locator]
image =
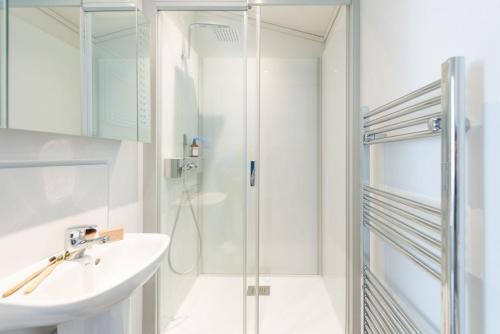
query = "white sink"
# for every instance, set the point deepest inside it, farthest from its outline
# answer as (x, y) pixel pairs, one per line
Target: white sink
(105, 276)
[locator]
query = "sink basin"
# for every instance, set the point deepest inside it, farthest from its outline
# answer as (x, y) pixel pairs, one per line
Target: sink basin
(105, 276)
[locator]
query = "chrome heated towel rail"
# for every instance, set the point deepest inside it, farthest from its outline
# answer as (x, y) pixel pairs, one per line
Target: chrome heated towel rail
(430, 237)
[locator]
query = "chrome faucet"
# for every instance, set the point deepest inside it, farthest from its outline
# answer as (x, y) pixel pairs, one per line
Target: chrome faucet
(79, 238)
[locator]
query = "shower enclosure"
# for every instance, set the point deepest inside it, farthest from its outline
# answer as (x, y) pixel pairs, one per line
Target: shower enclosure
(251, 150)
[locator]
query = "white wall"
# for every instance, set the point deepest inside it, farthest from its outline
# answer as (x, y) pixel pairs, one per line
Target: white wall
(334, 163)
(290, 193)
(403, 44)
(52, 198)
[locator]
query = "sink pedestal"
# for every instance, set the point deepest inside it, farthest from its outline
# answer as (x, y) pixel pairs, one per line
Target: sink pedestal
(115, 320)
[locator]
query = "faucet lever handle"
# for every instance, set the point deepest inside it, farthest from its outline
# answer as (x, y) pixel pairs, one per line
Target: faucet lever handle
(75, 234)
(90, 232)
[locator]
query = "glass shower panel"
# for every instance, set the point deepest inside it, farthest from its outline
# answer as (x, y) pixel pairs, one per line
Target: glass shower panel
(294, 294)
(203, 150)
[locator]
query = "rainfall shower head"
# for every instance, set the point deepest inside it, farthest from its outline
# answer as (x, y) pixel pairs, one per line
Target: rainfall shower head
(223, 33)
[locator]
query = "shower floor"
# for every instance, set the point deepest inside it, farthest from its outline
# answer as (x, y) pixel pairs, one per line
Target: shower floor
(297, 305)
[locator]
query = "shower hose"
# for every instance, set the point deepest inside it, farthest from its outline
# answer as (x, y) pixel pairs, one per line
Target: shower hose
(186, 196)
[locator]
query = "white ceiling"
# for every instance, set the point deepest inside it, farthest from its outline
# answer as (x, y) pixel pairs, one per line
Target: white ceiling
(314, 20)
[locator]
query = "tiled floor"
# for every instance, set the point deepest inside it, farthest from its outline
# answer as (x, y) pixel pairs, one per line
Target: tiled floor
(297, 305)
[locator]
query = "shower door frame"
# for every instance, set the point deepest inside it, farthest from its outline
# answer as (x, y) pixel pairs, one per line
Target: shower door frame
(354, 148)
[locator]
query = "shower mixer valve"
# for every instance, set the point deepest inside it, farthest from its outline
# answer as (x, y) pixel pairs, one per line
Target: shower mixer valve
(189, 166)
(177, 167)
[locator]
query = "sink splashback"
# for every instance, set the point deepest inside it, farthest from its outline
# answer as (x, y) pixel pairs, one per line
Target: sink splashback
(40, 199)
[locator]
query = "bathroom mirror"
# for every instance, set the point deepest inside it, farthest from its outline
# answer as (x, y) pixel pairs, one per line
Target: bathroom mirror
(78, 71)
(3, 63)
(44, 54)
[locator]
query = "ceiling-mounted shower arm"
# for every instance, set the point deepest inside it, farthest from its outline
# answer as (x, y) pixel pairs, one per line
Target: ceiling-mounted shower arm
(229, 37)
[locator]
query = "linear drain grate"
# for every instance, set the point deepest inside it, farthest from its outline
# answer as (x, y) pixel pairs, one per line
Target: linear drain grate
(264, 290)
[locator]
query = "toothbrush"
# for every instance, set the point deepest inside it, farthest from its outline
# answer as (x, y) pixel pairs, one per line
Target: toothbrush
(46, 272)
(28, 279)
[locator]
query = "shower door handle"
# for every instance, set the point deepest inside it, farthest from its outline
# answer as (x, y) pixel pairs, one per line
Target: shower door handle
(252, 173)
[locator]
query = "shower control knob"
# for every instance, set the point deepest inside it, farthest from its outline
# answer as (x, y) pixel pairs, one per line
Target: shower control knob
(190, 166)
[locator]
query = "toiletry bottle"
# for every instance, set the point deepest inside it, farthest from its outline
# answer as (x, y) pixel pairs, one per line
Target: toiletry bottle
(195, 149)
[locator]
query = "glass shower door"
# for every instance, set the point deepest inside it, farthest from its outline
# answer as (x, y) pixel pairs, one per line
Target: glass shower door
(296, 275)
(202, 69)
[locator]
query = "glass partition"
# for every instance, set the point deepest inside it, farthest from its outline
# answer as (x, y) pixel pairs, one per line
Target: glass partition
(253, 201)
(203, 150)
(300, 128)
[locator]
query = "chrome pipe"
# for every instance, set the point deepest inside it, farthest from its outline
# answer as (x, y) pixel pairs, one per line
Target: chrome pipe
(408, 97)
(370, 323)
(404, 200)
(425, 119)
(394, 318)
(381, 314)
(389, 300)
(405, 226)
(368, 330)
(376, 321)
(402, 137)
(395, 233)
(433, 101)
(452, 195)
(400, 212)
(428, 269)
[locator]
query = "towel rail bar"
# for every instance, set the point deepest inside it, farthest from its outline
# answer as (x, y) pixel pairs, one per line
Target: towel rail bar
(431, 102)
(432, 238)
(403, 213)
(411, 96)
